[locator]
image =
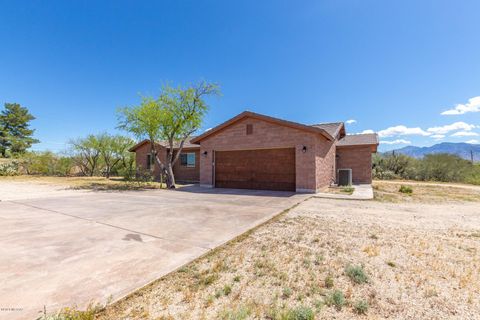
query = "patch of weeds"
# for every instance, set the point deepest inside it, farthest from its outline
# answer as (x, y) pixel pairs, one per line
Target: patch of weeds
(286, 293)
(347, 190)
(227, 289)
(319, 305)
(361, 307)
(72, 313)
(373, 236)
(306, 263)
(405, 189)
(240, 313)
(475, 235)
(236, 279)
(318, 259)
(329, 281)
(337, 299)
(300, 313)
(208, 279)
(356, 274)
(391, 264)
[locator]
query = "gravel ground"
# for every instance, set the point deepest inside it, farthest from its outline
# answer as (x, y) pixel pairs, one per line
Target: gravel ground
(422, 261)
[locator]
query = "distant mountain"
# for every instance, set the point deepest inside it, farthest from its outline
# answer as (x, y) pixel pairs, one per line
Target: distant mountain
(460, 149)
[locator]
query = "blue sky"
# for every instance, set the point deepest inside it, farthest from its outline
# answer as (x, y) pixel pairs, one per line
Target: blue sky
(393, 66)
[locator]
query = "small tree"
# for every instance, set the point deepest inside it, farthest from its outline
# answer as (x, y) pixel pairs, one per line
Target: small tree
(88, 153)
(15, 132)
(173, 117)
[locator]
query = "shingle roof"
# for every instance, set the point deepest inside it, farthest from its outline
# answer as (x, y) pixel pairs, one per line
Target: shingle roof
(358, 140)
(332, 128)
(186, 144)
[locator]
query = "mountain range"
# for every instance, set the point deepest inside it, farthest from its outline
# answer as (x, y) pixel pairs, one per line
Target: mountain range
(462, 150)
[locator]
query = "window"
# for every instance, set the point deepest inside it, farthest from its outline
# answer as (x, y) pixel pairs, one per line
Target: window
(187, 159)
(150, 161)
(249, 129)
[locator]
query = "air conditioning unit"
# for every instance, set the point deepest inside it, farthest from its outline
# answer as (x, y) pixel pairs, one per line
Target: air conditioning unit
(345, 177)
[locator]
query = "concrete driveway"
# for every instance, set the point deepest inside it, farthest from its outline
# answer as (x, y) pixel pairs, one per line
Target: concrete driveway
(74, 249)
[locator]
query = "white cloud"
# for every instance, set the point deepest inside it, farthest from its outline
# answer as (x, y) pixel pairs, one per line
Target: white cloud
(451, 127)
(398, 141)
(473, 105)
(351, 121)
(438, 136)
(402, 130)
(473, 141)
(367, 131)
(465, 134)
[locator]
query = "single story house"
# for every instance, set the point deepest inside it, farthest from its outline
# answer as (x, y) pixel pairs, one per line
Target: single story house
(255, 151)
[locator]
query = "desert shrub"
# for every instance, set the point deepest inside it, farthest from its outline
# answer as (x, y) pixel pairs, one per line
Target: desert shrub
(9, 168)
(432, 167)
(356, 274)
(336, 298)
(72, 313)
(240, 313)
(405, 189)
(300, 313)
(329, 281)
(361, 307)
(286, 293)
(46, 163)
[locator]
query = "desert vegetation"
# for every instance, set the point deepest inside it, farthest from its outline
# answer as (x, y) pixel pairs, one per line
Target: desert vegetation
(433, 167)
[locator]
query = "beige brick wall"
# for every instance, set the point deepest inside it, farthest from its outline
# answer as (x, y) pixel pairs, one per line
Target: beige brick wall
(359, 159)
(268, 135)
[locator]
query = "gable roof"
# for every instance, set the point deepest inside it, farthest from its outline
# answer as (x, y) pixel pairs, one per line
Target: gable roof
(366, 139)
(187, 144)
(332, 128)
(254, 115)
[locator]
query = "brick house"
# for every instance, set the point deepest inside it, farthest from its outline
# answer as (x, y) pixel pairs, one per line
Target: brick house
(254, 151)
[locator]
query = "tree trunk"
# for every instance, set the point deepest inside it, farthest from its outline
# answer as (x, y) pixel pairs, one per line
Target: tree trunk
(170, 176)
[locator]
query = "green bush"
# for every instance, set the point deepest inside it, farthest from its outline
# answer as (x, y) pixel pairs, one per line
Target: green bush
(356, 274)
(336, 298)
(329, 281)
(9, 168)
(405, 189)
(361, 307)
(300, 313)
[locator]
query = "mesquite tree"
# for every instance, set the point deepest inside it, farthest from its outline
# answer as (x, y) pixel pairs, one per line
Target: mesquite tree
(173, 117)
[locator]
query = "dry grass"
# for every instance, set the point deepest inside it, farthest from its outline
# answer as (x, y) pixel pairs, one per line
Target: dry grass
(85, 183)
(421, 261)
(388, 191)
(340, 190)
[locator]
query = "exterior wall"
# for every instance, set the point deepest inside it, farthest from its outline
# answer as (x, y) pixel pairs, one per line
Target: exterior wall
(141, 159)
(267, 135)
(181, 173)
(359, 159)
(325, 163)
(188, 174)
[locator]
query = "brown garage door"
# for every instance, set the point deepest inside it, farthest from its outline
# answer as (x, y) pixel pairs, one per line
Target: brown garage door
(265, 169)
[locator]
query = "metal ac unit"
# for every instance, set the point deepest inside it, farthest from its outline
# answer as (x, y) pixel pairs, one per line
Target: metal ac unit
(345, 177)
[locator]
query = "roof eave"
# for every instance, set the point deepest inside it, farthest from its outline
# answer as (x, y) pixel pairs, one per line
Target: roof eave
(264, 118)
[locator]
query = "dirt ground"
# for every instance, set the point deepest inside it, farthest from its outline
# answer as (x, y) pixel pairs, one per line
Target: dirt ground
(420, 254)
(32, 187)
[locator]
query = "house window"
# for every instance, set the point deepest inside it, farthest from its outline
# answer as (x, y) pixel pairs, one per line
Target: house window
(249, 129)
(150, 161)
(187, 159)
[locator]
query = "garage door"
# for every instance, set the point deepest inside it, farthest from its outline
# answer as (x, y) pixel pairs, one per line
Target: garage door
(265, 169)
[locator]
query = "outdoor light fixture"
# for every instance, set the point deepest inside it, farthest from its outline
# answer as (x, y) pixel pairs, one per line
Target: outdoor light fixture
(205, 153)
(304, 149)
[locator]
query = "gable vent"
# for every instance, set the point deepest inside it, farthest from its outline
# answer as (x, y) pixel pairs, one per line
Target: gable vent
(249, 129)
